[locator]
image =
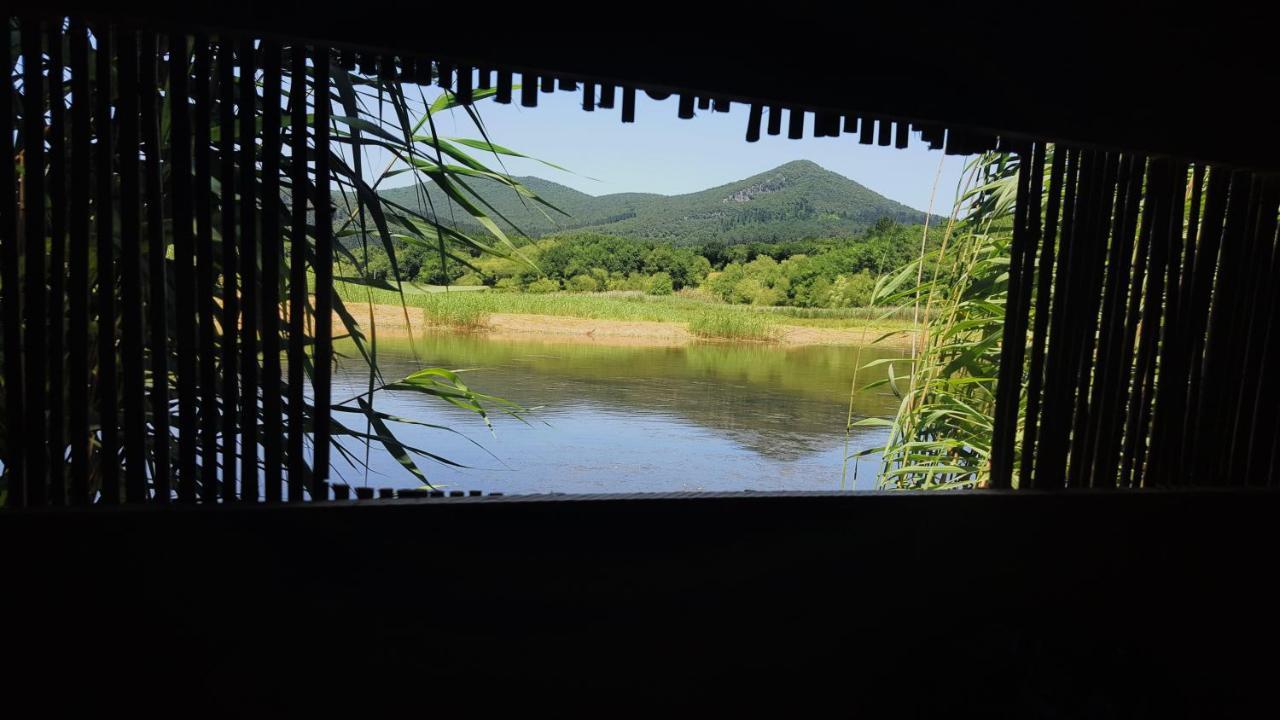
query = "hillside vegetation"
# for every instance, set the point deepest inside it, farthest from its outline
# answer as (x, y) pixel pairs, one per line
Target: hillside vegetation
(796, 201)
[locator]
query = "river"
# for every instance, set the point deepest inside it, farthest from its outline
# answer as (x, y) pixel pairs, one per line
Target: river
(618, 419)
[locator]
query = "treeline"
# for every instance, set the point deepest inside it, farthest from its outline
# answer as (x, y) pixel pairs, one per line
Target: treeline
(826, 272)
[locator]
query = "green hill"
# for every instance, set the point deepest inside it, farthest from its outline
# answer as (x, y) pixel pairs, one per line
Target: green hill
(795, 201)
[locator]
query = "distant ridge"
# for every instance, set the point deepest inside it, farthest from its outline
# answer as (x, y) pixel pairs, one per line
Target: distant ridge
(795, 201)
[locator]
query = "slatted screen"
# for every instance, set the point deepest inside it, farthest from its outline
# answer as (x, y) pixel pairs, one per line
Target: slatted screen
(1142, 320)
(167, 244)
(165, 204)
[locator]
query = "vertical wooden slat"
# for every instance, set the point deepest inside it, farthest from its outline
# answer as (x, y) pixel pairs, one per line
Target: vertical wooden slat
(57, 266)
(606, 96)
(588, 96)
(104, 209)
(78, 266)
(795, 124)
(774, 126)
(866, 133)
(297, 270)
(1044, 284)
(628, 104)
(1255, 320)
(464, 84)
(324, 278)
(1220, 359)
(753, 121)
(157, 298)
(1099, 222)
(1262, 427)
(11, 294)
(504, 87)
(1136, 352)
(1017, 302)
(34, 316)
(229, 317)
(248, 257)
(1175, 467)
(1113, 360)
(1198, 311)
(1171, 389)
(272, 426)
(183, 263)
(529, 90)
(206, 308)
(131, 345)
(1051, 444)
(901, 138)
(684, 107)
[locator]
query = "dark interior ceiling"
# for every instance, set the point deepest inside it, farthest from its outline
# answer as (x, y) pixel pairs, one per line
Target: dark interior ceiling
(1200, 86)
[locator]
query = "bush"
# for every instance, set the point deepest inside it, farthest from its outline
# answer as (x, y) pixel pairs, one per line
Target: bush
(582, 283)
(660, 284)
(469, 280)
(852, 290)
(697, 295)
(507, 283)
(542, 285)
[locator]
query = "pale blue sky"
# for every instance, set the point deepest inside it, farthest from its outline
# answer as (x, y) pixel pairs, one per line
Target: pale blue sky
(661, 153)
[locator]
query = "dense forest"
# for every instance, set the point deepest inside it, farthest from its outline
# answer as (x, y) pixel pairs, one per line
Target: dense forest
(825, 272)
(795, 201)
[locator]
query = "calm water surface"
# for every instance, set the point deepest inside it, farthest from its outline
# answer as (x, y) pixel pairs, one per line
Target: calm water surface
(712, 416)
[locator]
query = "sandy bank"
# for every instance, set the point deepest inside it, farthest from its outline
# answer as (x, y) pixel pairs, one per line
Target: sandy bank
(390, 321)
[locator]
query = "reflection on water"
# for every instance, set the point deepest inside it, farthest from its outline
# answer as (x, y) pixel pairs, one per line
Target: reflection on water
(712, 416)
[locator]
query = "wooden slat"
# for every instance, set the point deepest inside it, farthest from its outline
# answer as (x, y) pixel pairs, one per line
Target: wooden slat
(795, 125)
(1135, 371)
(1051, 444)
(11, 294)
(57, 266)
(104, 210)
(1017, 303)
(529, 90)
(78, 265)
(229, 317)
(298, 183)
(684, 108)
(324, 278)
(504, 87)
(1099, 221)
(1220, 335)
(1112, 360)
(628, 104)
(465, 79)
(248, 256)
(183, 263)
(1044, 286)
(157, 297)
(206, 308)
(753, 122)
(132, 360)
(35, 274)
(272, 423)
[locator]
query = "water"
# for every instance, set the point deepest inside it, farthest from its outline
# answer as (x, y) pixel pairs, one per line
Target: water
(714, 416)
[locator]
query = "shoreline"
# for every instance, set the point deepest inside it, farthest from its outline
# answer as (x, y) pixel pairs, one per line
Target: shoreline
(389, 321)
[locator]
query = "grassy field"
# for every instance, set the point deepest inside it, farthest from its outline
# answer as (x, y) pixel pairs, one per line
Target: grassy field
(469, 308)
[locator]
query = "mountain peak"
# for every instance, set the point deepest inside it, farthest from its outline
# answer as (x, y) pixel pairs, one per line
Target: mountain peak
(795, 165)
(794, 201)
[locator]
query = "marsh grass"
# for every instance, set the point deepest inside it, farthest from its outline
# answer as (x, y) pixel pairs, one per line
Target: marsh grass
(464, 307)
(722, 325)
